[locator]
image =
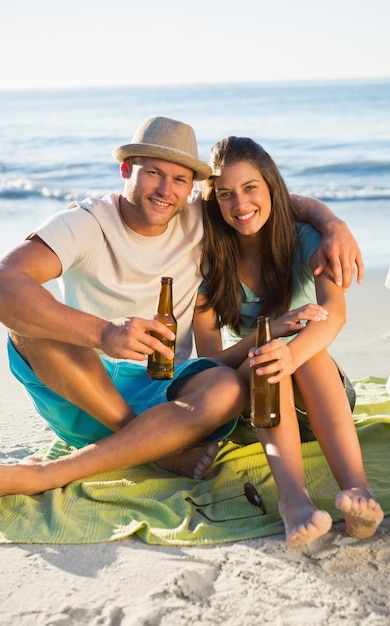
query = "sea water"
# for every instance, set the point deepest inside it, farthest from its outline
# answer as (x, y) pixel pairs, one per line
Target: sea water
(331, 140)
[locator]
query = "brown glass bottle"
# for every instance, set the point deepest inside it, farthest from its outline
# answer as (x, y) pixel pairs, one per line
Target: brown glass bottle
(159, 367)
(264, 396)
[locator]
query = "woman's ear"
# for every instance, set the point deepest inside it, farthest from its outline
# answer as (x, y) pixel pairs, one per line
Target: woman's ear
(125, 168)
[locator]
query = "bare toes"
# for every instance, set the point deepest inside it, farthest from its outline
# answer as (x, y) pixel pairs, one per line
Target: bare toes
(308, 531)
(195, 462)
(362, 512)
(205, 462)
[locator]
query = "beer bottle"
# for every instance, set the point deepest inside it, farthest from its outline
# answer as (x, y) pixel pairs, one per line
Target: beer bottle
(264, 396)
(159, 367)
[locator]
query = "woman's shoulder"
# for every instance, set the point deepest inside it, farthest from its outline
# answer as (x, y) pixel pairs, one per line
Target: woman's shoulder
(304, 229)
(307, 235)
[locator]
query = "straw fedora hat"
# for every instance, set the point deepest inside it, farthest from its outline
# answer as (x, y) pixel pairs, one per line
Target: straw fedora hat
(163, 138)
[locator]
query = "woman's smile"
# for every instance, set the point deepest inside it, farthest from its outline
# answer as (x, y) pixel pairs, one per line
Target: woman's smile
(246, 217)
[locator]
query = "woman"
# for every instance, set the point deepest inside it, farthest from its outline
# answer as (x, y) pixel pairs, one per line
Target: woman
(257, 259)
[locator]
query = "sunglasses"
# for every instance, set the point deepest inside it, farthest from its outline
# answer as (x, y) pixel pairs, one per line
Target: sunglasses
(250, 493)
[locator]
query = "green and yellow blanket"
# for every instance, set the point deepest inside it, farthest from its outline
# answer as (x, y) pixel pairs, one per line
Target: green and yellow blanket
(152, 504)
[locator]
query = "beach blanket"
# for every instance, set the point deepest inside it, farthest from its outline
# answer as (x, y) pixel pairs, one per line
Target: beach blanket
(163, 509)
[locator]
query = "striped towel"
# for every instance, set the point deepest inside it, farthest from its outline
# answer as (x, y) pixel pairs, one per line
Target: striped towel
(153, 504)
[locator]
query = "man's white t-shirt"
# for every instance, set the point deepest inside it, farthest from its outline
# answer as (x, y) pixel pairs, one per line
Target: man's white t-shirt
(111, 271)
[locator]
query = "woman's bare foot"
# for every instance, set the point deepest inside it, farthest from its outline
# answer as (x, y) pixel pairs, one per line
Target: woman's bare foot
(303, 522)
(195, 462)
(363, 513)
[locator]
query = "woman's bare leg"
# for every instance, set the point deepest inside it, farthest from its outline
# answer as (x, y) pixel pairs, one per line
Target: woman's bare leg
(331, 419)
(303, 521)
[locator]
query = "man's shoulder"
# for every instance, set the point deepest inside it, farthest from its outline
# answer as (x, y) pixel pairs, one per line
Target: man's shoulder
(193, 206)
(195, 200)
(189, 220)
(96, 205)
(103, 211)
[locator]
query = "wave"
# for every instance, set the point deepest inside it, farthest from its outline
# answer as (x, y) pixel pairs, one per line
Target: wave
(26, 189)
(22, 189)
(341, 194)
(353, 168)
(75, 185)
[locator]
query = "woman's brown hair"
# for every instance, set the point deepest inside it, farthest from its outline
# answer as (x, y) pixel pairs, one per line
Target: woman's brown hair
(220, 256)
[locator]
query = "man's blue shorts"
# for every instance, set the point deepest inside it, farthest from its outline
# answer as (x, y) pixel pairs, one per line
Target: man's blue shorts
(78, 428)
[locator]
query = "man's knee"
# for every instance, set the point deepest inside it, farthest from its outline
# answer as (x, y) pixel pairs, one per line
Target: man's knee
(221, 386)
(21, 344)
(50, 360)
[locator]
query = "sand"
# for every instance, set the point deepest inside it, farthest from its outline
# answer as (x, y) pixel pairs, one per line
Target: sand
(337, 580)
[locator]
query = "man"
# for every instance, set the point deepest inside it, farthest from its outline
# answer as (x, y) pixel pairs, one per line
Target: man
(83, 361)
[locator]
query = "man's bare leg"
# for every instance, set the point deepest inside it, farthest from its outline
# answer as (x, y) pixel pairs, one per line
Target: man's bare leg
(207, 401)
(78, 375)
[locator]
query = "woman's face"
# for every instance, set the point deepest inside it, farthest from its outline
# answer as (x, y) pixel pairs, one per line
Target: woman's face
(243, 197)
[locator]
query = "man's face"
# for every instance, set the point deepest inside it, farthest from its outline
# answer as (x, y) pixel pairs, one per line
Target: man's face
(157, 190)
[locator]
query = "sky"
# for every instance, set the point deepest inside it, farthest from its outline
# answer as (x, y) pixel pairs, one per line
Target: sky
(75, 43)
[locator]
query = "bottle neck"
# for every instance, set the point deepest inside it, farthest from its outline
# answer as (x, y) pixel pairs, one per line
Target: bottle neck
(165, 306)
(263, 332)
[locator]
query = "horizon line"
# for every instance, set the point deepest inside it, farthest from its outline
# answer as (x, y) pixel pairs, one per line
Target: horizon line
(279, 81)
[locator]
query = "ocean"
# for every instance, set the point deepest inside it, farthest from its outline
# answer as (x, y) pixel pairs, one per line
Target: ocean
(330, 140)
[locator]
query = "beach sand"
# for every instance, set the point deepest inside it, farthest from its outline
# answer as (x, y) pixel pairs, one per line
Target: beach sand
(337, 580)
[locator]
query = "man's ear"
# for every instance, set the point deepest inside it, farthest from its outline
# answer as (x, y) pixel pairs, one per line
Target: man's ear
(126, 168)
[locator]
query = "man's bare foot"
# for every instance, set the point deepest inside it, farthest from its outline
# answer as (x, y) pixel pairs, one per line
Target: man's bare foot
(363, 513)
(195, 462)
(22, 478)
(30, 460)
(305, 524)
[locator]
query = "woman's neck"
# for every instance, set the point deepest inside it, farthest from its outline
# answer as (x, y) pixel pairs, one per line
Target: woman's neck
(249, 264)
